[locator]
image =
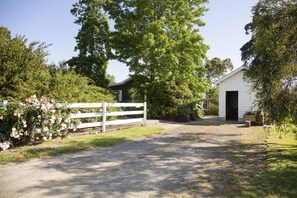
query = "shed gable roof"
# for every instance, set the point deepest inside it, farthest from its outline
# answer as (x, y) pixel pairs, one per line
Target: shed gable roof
(122, 83)
(230, 75)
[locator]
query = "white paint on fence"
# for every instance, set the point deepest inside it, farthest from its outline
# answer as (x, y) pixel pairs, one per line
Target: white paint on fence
(137, 105)
(102, 108)
(85, 115)
(104, 114)
(84, 105)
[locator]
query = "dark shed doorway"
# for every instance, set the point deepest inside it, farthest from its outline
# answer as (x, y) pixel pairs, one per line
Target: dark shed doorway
(231, 105)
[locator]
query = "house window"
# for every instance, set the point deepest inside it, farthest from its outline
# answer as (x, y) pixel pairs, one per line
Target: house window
(120, 95)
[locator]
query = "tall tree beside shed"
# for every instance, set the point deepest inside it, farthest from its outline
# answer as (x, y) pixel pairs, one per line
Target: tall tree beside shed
(160, 43)
(92, 41)
(216, 68)
(271, 58)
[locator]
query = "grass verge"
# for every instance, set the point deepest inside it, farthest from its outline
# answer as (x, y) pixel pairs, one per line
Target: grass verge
(75, 144)
(259, 164)
(273, 168)
(281, 175)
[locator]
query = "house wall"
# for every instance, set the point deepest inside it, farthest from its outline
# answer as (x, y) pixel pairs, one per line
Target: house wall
(246, 97)
(125, 90)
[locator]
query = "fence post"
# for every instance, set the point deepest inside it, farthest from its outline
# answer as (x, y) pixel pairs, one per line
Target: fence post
(103, 117)
(144, 113)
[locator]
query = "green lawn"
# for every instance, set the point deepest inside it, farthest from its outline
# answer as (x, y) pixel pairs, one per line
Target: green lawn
(282, 165)
(75, 144)
(259, 165)
(273, 171)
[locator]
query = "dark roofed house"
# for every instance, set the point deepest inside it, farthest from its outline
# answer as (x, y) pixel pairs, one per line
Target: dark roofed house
(122, 88)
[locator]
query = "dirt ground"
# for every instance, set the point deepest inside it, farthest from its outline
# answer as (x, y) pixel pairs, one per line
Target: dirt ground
(198, 159)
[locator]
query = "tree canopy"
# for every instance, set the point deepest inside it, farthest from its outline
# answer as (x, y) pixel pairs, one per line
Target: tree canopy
(271, 58)
(216, 68)
(160, 43)
(24, 72)
(22, 66)
(92, 41)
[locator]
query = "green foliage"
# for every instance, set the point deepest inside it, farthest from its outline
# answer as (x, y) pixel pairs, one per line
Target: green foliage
(271, 58)
(213, 96)
(250, 113)
(213, 109)
(282, 164)
(161, 44)
(111, 79)
(22, 67)
(24, 72)
(92, 41)
(71, 87)
(197, 112)
(167, 98)
(216, 68)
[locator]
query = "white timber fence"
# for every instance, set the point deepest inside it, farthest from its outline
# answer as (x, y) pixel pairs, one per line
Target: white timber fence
(104, 113)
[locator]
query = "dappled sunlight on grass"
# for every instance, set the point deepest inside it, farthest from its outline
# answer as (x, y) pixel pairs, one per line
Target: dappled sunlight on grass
(260, 165)
(75, 144)
(282, 160)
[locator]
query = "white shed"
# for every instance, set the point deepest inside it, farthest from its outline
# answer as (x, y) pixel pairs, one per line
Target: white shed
(235, 96)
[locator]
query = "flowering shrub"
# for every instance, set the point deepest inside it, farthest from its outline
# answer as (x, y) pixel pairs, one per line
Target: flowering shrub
(34, 121)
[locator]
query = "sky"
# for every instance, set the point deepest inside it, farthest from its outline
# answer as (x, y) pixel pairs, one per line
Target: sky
(50, 21)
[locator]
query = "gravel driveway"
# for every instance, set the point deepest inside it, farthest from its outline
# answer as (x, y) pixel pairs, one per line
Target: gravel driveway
(179, 163)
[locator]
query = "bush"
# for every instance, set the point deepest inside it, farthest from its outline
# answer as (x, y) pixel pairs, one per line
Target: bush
(166, 98)
(198, 112)
(33, 121)
(24, 72)
(250, 113)
(71, 87)
(213, 109)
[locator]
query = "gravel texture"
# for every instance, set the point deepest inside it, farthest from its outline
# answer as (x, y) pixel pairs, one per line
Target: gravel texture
(167, 165)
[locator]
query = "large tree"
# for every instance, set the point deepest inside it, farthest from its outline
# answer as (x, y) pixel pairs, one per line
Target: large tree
(160, 43)
(24, 72)
(22, 67)
(92, 41)
(271, 58)
(216, 68)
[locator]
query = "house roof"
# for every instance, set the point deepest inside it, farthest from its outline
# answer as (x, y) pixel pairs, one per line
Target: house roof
(232, 73)
(122, 83)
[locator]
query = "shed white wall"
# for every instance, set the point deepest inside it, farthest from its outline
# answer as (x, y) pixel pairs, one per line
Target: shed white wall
(246, 97)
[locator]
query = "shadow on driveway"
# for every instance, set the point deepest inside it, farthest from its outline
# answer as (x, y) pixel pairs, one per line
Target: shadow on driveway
(195, 160)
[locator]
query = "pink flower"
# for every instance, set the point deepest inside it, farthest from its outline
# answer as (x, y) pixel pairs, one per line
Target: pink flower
(37, 130)
(63, 127)
(43, 107)
(14, 133)
(49, 105)
(24, 123)
(45, 129)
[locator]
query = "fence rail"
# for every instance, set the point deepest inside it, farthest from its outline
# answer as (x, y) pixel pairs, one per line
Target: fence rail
(104, 113)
